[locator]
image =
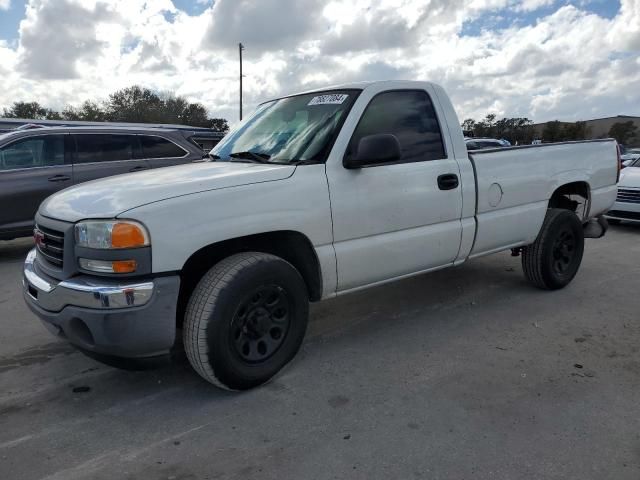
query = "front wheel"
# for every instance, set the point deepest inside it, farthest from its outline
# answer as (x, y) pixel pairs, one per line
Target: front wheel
(245, 320)
(553, 259)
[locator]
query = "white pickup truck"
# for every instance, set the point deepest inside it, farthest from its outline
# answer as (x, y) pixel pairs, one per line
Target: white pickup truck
(314, 195)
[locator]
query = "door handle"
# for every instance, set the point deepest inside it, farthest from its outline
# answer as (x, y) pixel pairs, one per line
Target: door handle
(59, 178)
(138, 168)
(448, 181)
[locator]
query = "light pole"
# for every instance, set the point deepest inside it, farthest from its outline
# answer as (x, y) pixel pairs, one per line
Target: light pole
(240, 48)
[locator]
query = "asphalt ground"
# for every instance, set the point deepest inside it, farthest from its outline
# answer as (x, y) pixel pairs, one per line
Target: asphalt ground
(464, 373)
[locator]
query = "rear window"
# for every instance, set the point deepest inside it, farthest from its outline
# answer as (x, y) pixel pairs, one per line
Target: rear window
(106, 148)
(158, 147)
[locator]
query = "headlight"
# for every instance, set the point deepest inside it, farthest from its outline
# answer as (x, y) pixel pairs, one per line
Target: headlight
(111, 234)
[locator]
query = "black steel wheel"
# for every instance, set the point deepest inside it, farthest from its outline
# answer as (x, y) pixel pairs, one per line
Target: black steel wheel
(261, 323)
(245, 320)
(564, 251)
(553, 260)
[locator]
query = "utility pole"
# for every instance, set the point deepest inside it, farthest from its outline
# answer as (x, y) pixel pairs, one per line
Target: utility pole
(240, 48)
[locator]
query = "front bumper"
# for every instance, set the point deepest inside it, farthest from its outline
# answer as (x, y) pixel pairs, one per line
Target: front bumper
(119, 318)
(626, 211)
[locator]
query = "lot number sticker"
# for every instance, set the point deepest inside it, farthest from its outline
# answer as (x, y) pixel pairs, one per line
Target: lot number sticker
(333, 99)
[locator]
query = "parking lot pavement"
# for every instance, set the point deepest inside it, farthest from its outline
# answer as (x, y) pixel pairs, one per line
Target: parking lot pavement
(464, 373)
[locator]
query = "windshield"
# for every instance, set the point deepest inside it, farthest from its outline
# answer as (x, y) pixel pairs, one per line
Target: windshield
(289, 130)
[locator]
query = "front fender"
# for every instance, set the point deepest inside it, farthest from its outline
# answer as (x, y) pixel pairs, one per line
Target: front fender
(183, 225)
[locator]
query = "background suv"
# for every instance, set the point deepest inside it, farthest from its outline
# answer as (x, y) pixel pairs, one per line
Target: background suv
(38, 162)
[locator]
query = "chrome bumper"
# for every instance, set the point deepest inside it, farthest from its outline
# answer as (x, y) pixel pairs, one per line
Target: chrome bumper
(82, 291)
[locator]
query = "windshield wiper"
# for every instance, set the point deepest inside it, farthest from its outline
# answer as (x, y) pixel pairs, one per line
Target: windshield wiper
(208, 157)
(256, 157)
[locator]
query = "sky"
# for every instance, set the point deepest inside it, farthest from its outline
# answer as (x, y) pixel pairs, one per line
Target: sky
(541, 59)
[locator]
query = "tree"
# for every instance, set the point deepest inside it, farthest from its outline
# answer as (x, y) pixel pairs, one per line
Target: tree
(623, 132)
(173, 109)
(575, 131)
(134, 104)
(26, 110)
(51, 114)
(468, 125)
(484, 128)
(552, 131)
(89, 111)
(195, 114)
(516, 130)
(218, 124)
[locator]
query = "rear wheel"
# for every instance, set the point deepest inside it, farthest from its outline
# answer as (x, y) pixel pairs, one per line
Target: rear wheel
(554, 258)
(245, 320)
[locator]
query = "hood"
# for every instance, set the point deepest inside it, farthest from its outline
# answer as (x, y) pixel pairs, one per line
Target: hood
(108, 197)
(630, 177)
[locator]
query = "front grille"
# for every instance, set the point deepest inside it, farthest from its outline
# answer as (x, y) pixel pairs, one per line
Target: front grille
(50, 245)
(629, 196)
(624, 215)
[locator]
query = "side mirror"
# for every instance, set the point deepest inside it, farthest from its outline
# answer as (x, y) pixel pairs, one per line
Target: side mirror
(374, 150)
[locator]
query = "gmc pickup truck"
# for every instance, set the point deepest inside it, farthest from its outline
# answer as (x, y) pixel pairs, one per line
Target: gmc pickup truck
(314, 195)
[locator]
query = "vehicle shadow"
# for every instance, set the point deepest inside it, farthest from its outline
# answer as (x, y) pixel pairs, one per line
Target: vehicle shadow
(625, 226)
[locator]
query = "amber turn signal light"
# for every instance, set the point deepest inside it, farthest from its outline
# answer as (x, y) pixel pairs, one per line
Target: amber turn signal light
(124, 266)
(127, 235)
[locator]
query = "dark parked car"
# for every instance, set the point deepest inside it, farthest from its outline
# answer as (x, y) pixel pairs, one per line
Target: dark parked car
(36, 163)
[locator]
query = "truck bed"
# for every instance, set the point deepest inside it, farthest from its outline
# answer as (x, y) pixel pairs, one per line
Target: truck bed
(514, 185)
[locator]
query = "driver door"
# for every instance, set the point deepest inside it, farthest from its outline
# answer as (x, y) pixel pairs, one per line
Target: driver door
(396, 219)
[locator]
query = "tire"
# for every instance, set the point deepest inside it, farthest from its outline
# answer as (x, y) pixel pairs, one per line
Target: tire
(554, 258)
(245, 320)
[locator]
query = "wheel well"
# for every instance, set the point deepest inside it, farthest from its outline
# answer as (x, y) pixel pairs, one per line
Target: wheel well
(572, 196)
(294, 247)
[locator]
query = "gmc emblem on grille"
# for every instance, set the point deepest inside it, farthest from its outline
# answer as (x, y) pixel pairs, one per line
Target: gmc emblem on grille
(38, 236)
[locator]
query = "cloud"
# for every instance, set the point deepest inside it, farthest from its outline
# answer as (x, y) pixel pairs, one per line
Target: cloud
(375, 33)
(534, 58)
(531, 5)
(5, 4)
(266, 25)
(55, 36)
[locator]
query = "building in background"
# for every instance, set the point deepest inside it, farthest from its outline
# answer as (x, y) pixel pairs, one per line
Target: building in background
(598, 127)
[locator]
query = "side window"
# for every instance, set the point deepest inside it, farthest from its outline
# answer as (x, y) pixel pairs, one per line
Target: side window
(157, 147)
(105, 147)
(410, 116)
(39, 151)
